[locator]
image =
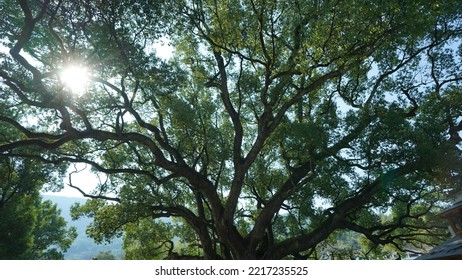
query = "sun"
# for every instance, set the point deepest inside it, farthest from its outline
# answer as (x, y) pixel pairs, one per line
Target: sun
(75, 78)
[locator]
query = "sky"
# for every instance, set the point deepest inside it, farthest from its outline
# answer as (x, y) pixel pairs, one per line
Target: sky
(84, 179)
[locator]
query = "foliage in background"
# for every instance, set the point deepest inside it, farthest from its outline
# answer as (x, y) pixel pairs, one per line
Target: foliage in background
(29, 227)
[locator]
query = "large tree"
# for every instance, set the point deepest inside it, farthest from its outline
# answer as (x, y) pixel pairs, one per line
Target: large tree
(274, 125)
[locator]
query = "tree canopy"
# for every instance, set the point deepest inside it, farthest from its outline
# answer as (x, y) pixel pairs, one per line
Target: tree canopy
(274, 126)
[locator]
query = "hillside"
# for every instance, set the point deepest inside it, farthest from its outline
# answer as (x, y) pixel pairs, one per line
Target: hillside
(83, 248)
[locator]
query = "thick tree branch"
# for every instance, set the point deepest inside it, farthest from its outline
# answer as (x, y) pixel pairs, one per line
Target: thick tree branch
(336, 217)
(299, 177)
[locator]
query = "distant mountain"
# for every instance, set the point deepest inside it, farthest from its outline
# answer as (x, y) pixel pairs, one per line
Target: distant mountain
(83, 248)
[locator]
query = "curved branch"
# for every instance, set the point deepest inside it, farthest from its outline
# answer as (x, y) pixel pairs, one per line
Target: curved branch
(84, 194)
(26, 33)
(336, 217)
(297, 179)
(28, 133)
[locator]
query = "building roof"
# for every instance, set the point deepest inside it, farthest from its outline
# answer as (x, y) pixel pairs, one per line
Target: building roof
(455, 206)
(455, 192)
(451, 249)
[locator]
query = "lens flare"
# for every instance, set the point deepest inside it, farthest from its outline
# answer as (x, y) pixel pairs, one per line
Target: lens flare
(75, 78)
